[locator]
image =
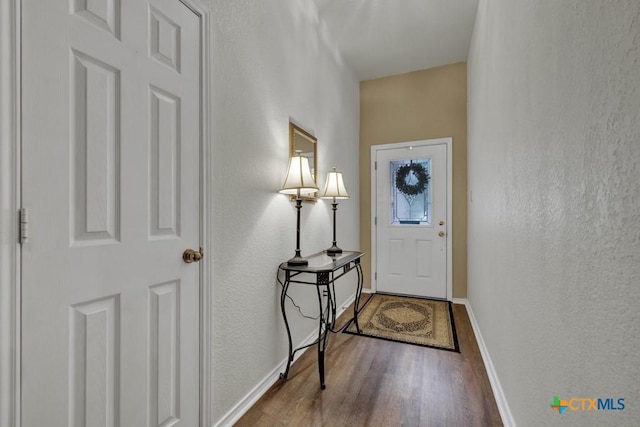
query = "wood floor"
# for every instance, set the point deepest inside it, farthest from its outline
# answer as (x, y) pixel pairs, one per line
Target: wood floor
(372, 382)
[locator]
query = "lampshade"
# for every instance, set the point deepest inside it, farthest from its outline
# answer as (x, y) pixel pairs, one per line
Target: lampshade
(334, 187)
(299, 177)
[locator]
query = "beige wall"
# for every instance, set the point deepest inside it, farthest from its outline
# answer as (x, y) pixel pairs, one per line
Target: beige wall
(409, 107)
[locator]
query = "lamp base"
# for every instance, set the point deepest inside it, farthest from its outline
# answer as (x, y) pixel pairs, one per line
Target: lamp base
(298, 261)
(334, 250)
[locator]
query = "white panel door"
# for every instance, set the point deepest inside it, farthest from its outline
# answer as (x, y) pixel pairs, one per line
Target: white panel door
(411, 211)
(110, 144)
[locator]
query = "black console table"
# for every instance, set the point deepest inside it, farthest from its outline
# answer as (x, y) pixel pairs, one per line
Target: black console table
(322, 272)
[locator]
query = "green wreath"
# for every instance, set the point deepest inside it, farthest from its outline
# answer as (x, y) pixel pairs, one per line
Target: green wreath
(412, 189)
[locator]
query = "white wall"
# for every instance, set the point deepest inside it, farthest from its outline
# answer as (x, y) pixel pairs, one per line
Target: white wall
(271, 61)
(554, 224)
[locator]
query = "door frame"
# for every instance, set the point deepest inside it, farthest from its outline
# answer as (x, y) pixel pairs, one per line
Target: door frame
(448, 142)
(10, 203)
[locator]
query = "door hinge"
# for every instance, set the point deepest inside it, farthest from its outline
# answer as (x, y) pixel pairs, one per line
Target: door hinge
(375, 165)
(24, 225)
(376, 275)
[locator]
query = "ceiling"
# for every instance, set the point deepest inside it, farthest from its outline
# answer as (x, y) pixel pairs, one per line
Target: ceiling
(385, 37)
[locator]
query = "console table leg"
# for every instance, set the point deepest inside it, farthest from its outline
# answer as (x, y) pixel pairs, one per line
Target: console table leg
(332, 298)
(323, 329)
(356, 303)
(321, 368)
(283, 299)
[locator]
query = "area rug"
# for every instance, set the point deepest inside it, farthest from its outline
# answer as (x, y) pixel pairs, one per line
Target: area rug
(419, 321)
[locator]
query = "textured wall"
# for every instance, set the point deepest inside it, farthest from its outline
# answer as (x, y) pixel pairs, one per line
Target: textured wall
(554, 213)
(410, 107)
(271, 62)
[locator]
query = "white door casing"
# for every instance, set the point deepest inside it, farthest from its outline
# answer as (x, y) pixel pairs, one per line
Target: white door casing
(9, 202)
(412, 259)
(111, 143)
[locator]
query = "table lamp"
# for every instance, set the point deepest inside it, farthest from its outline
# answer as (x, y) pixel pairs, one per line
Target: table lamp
(299, 179)
(334, 189)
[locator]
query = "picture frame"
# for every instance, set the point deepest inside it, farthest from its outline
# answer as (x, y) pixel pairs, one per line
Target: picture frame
(303, 141)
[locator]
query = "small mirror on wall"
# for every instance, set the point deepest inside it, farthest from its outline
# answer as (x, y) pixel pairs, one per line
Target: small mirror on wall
(301, 140)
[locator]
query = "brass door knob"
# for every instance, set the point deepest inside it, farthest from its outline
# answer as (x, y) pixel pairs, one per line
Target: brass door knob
(191, 255)
(441, 234)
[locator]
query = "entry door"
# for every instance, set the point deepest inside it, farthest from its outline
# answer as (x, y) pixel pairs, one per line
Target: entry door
(411, 210)
(110, 140)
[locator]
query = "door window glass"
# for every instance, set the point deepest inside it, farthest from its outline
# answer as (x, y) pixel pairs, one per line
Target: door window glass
(410, 191)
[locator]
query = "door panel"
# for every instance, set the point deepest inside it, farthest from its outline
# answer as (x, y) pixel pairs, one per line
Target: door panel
(165, 169)
(94, 329)
(411, 211)
(164, 345)
(424, 262)
(111, 142)
(95, 139)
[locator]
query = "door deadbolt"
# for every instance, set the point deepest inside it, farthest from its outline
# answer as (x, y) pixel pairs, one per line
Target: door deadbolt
(441, 223)
(191, 255)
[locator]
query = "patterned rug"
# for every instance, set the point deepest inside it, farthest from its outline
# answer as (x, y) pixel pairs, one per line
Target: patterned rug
(409, 320)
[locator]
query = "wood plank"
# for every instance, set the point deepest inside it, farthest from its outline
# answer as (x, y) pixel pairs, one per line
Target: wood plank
(372, 382)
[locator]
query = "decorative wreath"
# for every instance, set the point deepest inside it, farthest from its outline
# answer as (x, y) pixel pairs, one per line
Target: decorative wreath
(402, 175)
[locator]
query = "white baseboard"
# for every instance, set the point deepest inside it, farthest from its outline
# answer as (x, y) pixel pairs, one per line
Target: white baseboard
(231, 417)
(241, 408)
(498, 393)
